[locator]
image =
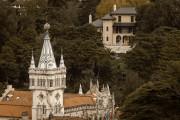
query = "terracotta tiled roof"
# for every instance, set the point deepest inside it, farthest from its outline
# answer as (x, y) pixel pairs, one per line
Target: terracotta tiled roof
(22, 98)
(72, 100)
(14, 111)
(17, 102)
(67, 118)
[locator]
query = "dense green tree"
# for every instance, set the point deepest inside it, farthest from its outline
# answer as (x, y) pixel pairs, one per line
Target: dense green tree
(87, 7)
(153, 101)
(8, 23)
(158, 13)
(2, 87)
(153, 52)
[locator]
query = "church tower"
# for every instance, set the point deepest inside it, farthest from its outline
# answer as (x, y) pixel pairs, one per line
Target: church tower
(47, 82)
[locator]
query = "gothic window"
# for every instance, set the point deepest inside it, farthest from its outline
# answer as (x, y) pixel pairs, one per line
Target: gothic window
(55, 82)
(32, 82)
(43, 82)
(44, 109)
(38, 82)
(51, 83)
(39, 109)
(58, 82)
(107, 38)
(57, 109)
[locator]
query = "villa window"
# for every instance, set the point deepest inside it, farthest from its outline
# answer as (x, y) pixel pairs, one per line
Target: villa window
(107, 38)
(118, 40)
(132, 18)
(107, 28)
(130, 30)
(125, 40)
(41, 82)
(119, 18)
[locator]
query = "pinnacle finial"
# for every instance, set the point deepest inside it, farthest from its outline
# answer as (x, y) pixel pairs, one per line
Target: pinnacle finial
(62, 65)
(47, 26)
(97, 84)
(32, 65)
(108, 90)
(80, 90)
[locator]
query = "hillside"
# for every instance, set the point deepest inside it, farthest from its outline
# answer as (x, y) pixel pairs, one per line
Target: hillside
(106, 5)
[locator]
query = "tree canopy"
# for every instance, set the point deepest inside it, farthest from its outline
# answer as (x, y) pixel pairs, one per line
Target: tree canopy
(158, 100)
(153, 52)
(158, 13)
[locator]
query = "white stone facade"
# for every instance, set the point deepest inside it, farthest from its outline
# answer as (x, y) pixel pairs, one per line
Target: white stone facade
(47, 81)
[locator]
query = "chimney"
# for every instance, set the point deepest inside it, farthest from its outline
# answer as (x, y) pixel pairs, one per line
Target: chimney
(90, 19)
(114, 7)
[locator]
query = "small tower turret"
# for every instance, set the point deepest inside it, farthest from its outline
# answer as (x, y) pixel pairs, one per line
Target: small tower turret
(80, 90)
(47, 81)
(32, 65)
(62, 65)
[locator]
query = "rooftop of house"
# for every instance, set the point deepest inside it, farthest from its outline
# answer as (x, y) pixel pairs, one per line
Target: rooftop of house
(17, 102)
(125, 11)
(98, 23)
(121, 11)
(107, 17)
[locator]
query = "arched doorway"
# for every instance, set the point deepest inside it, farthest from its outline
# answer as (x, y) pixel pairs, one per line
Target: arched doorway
(126, 40)
(118, 40)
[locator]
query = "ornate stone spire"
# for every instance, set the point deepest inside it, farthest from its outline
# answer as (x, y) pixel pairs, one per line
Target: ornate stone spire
(62, 65)
(80, 90)
(47, 60)
(32, 65)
